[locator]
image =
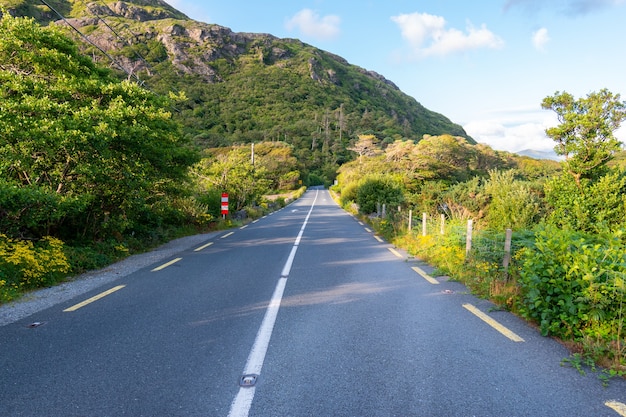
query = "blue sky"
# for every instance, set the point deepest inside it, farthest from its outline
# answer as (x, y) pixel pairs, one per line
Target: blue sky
(485, 65)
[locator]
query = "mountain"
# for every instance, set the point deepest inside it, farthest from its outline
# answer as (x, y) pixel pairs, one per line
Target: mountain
(243, 87)
(550, 155)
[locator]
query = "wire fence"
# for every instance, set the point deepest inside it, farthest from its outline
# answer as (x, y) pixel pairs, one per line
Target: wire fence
(496, 247)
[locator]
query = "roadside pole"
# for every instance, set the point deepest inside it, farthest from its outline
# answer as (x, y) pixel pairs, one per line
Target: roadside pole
(224, 205)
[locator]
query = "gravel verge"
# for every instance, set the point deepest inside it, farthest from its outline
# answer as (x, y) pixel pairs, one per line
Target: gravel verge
(38, 300)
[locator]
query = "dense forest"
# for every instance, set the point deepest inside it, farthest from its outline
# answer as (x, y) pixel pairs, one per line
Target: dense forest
(98, 161)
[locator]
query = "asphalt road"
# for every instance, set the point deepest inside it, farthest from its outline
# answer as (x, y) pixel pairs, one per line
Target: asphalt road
(302, 313)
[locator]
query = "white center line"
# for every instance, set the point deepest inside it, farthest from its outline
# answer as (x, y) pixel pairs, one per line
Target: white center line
(240, 406)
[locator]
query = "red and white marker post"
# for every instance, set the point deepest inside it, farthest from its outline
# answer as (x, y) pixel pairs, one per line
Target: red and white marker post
(224, 205)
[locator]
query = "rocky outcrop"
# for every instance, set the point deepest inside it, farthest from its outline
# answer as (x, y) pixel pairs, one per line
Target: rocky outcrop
(141, 11)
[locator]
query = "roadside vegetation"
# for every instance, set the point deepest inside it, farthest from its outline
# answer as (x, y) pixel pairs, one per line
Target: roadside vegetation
(568, 260)
(93, 168)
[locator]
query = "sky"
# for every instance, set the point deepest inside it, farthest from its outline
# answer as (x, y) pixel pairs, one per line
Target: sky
(486, 65)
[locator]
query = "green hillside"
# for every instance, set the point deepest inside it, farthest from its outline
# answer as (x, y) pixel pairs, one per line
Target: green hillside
(243, 87)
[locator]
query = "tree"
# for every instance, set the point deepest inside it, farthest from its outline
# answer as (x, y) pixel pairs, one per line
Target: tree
(585, 134)
(366, 145)
(278, 161)
(444, 157)
(73, 130)
(232, 172)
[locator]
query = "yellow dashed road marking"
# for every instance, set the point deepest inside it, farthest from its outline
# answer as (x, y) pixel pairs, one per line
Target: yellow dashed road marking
(94, 298)
(165, 265)
(203, 247)
(425, 275)
(508, 333)
(617, 407)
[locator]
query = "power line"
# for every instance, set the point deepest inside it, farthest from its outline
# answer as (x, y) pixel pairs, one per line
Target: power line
(113, 60)
(86, 39)
(124, 41)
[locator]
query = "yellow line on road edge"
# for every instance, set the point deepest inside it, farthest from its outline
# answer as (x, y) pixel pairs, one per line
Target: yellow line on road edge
(425, 275)
(395, 252)
(165, 265)
(378, 239)
(227, 234)
(94, 298)
(203, 247)
(617, 407)
(514, 337)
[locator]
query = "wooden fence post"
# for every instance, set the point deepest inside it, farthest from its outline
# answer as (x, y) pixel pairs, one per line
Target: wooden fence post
(442, 229)
(424, 218)
(410, 220)
(507, 250)
(468, 238)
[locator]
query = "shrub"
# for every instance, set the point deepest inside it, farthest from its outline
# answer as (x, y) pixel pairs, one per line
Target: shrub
(513, 203)
(588, 206)
(348, 193)
(378, 189)
(572, 283)
(26, 265)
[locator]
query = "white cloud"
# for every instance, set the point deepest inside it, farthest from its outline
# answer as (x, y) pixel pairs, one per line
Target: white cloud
(519, 129)
(540, 39)
(514, 130)
(427, 34)
(310, 23)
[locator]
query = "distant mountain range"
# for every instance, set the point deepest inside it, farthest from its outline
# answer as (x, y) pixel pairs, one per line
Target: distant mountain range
(551, 155)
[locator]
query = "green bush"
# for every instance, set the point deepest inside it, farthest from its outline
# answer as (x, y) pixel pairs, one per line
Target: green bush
(34, 212)
(589, 206)
(348, 193)
(572, 283)
(25, 265)
(378, 189)
(513, 203)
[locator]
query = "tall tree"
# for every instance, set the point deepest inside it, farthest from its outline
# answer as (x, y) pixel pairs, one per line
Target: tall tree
(232, 172)
(366, 145)
(585, 133)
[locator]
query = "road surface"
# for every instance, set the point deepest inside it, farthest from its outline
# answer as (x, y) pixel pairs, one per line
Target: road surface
(302, 313)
